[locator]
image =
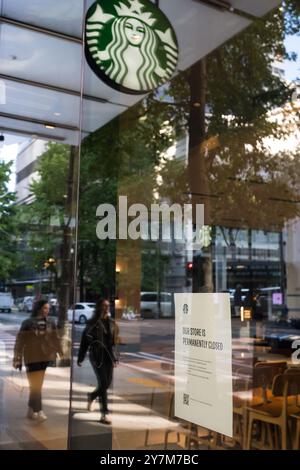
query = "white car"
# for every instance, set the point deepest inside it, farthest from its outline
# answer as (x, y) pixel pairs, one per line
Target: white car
(83, 311)
(154, 306)
(27, 304)
(6, 302)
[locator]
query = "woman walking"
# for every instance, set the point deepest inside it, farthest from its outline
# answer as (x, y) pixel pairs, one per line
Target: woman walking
(99, 338)
(36, 344)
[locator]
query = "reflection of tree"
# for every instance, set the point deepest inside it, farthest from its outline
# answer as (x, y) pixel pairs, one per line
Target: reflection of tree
(224, 102)
(118, 159)
(50, 217)
(9, 227)
(231, 169)
(49, 220)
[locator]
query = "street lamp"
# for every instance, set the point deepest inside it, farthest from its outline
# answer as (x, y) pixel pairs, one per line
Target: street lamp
(50, 263)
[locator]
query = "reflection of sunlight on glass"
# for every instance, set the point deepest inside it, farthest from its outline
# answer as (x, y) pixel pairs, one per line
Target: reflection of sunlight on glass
(129, 415)
(61, 403)
(138, 417)
(3, 355)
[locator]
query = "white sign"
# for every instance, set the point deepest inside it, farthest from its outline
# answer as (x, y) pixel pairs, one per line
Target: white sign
(203, 364)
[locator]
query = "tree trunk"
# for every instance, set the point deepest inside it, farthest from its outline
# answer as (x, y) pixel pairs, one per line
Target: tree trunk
(68, 277)
(198, 171)
(67, 273)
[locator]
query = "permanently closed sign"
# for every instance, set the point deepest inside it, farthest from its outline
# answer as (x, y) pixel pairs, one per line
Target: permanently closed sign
(130, 45)
(203, 364)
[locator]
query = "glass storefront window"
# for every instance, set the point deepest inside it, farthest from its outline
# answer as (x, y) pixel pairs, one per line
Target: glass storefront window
(152, 204)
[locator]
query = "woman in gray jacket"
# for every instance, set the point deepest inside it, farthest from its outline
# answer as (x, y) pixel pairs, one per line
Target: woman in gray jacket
(37, 344)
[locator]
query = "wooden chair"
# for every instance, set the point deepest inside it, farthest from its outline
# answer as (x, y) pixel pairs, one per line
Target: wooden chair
(179, 428)
(252, 390)
(296, 440)
(188, 430)
(295, 418)
(264, 373)
(276, 412)
(155, 385)
(240, 388)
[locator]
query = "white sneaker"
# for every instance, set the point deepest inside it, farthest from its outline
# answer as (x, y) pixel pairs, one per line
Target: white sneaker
(41, 416)
(32, 414)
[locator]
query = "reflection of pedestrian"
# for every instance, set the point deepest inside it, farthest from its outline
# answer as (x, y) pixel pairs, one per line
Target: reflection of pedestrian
(253, 302)
(284, 313)
(37, 343)
(237, 300)
(257, 306)
(99, 339)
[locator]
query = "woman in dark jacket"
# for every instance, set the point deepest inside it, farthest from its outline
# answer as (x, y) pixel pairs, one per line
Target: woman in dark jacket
(37, 344)
(99, 338)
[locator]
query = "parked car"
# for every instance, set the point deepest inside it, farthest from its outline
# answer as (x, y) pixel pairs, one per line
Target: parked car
(83, 311)
(281, 334)
(149, 306)
(18, 301)
(6, 302)
(26, 305)
(53, 303)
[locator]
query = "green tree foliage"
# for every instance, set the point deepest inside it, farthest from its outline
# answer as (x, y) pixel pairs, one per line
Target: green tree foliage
(224, 102)
(45, 218)
(234, 110)
(9, 230)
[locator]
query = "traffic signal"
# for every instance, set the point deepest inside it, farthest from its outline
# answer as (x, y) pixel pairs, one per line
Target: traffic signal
(189, 269)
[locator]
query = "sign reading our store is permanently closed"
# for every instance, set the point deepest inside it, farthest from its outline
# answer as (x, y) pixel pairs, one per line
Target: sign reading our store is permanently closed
(203, 363)
(130, 44)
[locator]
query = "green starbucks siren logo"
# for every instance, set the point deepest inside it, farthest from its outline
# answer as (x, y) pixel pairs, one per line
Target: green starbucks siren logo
(130, 45)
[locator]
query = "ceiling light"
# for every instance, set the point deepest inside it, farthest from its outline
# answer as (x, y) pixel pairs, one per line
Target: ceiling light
(49, 126)
(2, 92)
(218, 3)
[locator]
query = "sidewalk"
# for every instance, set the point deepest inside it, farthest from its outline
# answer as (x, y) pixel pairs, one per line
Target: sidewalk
(18, 432)
(129, 400)
(130, 421)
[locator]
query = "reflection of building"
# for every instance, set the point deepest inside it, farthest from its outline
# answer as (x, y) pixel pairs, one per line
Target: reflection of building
(25, 168)
(254, 258)
(292, 254)
(27, 280)
(291, 231)
(278, 69)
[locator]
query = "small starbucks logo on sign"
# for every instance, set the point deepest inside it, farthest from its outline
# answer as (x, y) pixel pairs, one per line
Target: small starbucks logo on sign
(185, 309)
(186, 399)
(130, 45)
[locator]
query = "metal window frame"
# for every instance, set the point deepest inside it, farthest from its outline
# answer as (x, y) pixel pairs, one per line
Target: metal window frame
(225, 5)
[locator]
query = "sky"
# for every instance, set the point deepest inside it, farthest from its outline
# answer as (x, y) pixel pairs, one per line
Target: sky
(8, 152)
(292, 69)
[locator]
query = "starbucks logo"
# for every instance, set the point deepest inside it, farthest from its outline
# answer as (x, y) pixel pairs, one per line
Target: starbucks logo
(185, 309)
(130, 45)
